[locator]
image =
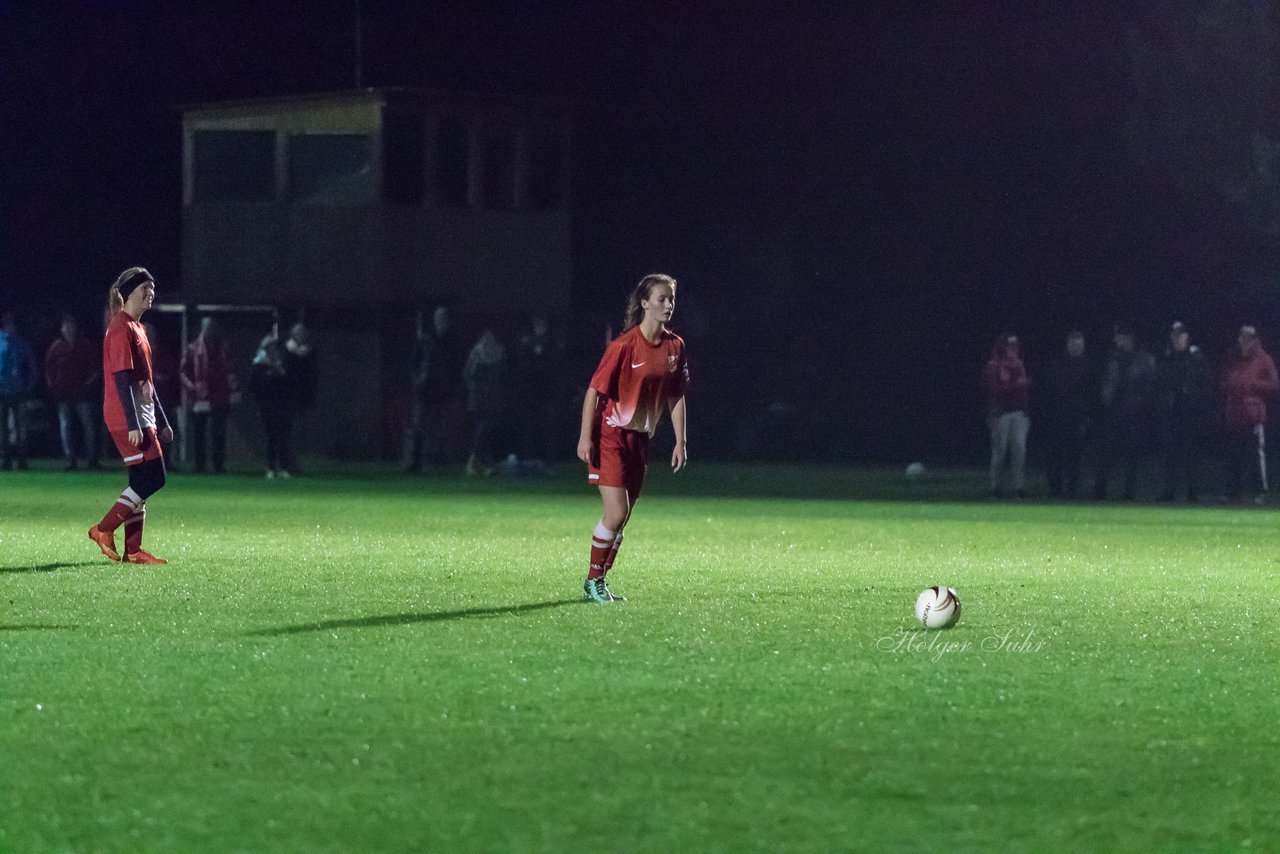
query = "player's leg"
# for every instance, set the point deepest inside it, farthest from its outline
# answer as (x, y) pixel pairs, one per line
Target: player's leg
(145, 464)
(635, 459)
(615, 508)
(146, 479)
(607, 538)
(103, 533)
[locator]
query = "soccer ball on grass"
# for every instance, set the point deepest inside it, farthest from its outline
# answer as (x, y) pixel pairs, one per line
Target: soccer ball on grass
(938, 608)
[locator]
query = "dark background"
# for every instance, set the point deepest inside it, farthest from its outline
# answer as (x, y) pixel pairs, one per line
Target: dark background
(856, 197)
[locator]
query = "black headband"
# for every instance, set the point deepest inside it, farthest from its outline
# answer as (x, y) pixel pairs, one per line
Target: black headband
(130, 284)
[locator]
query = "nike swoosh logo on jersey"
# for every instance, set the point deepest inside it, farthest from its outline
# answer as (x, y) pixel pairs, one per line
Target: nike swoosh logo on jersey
(635, 365)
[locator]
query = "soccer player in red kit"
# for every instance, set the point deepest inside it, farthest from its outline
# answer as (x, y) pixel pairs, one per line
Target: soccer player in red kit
(134, 417)
(642, 374)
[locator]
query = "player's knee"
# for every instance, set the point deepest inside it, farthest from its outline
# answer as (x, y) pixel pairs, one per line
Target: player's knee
(147, 478)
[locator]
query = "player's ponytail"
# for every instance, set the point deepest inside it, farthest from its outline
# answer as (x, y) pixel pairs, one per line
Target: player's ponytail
(635, 311)
(115, 299)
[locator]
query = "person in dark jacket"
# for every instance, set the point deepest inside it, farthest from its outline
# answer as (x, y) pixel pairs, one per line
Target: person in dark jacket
(1128, 400)
(71, 375)
(485, 376)
(269, 386)
(435, 374)
(18, 377)
(302, 378)
(1185, 413)
(1070, 400)
(1005, 386)
(1248, 380)
(539, 382)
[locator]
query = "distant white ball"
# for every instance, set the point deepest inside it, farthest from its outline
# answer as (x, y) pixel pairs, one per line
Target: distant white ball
(915, 470)
(938, 608)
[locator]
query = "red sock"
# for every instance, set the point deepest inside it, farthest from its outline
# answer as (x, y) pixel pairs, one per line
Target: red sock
(121, 510)
(613, 553)
(133, 530)
(601, 545)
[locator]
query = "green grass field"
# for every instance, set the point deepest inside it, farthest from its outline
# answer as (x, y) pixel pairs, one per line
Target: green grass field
(364, 662)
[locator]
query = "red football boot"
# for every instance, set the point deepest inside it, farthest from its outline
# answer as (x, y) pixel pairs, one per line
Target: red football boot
(105, 541)
(141, 556)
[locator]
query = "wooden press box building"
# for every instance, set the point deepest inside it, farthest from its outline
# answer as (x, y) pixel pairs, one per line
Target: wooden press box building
(358, 208)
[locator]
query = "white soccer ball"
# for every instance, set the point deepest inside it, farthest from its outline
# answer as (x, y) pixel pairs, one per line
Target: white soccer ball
(938, 608)
(915, 470)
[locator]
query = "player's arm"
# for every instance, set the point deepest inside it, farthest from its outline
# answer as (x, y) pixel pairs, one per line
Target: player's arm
(679, 419)
(585, 449)
(166, 430)
(124, 388)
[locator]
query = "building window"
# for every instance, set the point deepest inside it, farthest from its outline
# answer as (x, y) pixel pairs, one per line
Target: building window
(453, 159)
(402, 158)
(234, 166)
(331, 168)
(546, 170)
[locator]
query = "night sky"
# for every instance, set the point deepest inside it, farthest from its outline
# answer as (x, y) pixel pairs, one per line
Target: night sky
(856, 197)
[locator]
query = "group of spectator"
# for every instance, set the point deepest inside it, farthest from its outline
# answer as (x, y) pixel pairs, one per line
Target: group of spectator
(1179, 408)
(282, 381)
(74, 384)
(512, 399)
(512, 396)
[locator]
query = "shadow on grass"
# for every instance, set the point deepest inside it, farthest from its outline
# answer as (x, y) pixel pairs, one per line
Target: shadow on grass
(48, 567)
(33, 627)
(410, 619)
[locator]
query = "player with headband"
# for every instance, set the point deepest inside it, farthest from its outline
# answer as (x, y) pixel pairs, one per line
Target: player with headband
(135, 419)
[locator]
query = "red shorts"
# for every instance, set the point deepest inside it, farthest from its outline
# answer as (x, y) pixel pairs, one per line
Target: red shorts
(134, 454)
(621, 459)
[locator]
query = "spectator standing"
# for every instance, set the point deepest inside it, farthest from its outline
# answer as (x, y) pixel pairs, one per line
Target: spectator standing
(18, 377)
(71, 376)
(1128, 392)
(435, 373)
(1248, 380)
(269, 385)
(1006, 388)
(1070, 398)
(485, 376)
(539, 374)
(302, 378)
(211, 387)
(1186, 413)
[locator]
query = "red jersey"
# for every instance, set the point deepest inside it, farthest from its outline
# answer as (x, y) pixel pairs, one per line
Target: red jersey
(125, 348)
(639, 379)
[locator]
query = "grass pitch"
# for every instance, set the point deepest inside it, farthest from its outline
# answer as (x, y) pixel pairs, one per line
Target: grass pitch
(367, 662)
